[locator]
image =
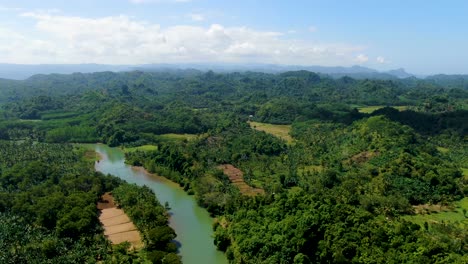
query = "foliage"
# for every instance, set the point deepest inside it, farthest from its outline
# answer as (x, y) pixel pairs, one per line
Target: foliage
(48, 204)
(342, 192)
(150, 217)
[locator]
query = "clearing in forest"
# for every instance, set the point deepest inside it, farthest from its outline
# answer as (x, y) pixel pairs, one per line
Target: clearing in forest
(141, 148)
(117, 225)
(465, 173)
(174, 137)
(281, 131)
(438, 214)
(310, 169)
(370, 109)
(237, 178)
(364, 156)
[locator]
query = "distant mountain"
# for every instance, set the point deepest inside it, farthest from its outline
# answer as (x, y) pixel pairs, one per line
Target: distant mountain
(456, 80)
(23, 71)
(357, 72)
(399, 73)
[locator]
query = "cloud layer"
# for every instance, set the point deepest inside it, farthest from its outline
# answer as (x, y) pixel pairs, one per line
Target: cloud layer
(123, 40)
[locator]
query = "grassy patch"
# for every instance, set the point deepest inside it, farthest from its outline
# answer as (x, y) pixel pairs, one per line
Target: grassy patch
(281, 131)
(168, 137)
(91, 155)
(30, 120)
(453, 216)
(370, 109)
(310, 169)
(178, 136)
(465, 172)
(58, 115)
(443, 150)
(141, 148)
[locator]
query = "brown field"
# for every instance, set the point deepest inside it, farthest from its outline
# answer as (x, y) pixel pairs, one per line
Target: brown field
(91, 155)
(237, 178)
(117, 225)
(431, 208)
(436, 213)
(364, 156)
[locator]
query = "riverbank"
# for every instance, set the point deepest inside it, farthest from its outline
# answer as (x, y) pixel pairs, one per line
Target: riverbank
(192, 223)
(117, 225)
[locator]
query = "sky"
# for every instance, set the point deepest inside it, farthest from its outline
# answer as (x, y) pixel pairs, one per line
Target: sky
(423, 37)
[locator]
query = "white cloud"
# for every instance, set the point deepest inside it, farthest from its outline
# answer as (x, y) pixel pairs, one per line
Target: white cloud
(123, 40)
(9, 9)
(313, 29)
(197, 17)
(361, 58)
(158, 1)
(381, 60)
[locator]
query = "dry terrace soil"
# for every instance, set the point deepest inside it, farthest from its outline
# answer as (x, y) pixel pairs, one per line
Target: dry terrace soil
(117, 225)
(237, 178)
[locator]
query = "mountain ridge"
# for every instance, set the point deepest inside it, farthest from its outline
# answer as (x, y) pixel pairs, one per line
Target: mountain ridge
(24, 71)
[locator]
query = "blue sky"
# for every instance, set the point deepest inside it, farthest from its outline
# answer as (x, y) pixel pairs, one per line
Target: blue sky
(424, 37)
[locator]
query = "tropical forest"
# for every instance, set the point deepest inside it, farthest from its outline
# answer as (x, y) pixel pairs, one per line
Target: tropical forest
(291, 167)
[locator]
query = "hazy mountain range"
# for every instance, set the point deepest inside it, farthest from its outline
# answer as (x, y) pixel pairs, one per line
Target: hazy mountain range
(24, 71)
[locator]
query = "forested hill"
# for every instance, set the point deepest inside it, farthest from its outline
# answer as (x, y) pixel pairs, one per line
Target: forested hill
(320, 87)
(191, 102)
(374, 171)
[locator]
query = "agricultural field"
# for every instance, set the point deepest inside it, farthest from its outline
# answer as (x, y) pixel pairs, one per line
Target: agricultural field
(281, 131)
(117, 225)
(439, 214)
(236, 177)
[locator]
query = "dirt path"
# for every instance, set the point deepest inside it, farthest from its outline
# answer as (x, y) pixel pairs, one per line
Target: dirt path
(117, 225)
(236, 177)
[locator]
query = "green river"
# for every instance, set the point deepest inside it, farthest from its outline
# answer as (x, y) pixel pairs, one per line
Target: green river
(192, 223)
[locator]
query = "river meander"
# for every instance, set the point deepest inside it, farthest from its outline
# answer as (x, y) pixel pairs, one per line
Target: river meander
(192, 223)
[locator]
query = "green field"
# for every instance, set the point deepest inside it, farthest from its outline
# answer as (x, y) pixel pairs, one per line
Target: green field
(178, 136)
(169, 137)
(454, 216)
(370, 109)
(310, 169)
(281, 131)
(443, 150)
(141, 148)
(465, 172)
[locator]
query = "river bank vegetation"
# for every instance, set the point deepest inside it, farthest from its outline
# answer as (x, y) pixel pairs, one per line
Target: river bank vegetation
(344, 184)
(48, 208)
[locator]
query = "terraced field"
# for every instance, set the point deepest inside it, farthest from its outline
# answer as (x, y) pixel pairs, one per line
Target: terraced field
(117, 225)
(236, 177)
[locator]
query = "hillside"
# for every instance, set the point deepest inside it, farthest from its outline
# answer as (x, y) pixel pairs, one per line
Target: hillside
(297, 167)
